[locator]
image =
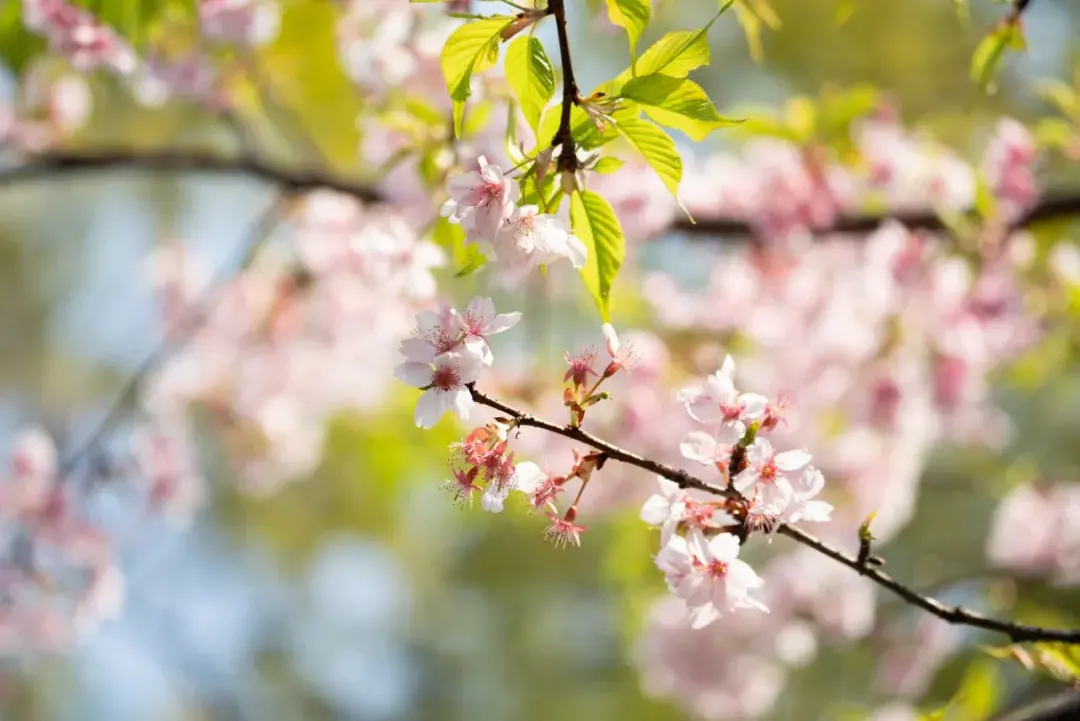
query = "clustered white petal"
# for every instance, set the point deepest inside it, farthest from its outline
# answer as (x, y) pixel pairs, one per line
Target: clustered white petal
(699, 552)
(449, 350)
(484, 203)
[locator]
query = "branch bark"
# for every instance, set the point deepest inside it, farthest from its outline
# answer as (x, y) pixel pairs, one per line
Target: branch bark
(1053, 205)
(952, 614)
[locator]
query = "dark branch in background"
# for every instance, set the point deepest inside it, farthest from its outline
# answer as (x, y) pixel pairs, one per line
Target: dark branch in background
(193, 321)
(64, 162)
(952, 614)
(564, 135)
(1063, 707)
(49, 165)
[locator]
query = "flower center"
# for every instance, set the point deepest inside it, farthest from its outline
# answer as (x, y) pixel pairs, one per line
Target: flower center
(730, 412)
(717, 570)
(493, 190)
(769, 471)
(446, 378)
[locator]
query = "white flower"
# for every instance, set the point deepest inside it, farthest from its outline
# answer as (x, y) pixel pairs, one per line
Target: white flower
(494, 496)
(719, 402)
(479, 321)
(711, 448)
(665, 509)
(766, 467)
(437, 332)
(530, 238)
(527, 479)
(708, 576)
(801, 506)
(481, 200)
(443, 381)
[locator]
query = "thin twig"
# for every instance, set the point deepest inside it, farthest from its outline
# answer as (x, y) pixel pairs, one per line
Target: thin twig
(680, 477)
(1052, 205)
(260, 230)
(951, 614)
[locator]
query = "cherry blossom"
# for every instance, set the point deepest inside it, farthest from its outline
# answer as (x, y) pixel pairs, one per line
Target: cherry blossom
(766, 467)
(708, 576)
(249, 22)
(719, 402)
(530, 238)
(443, 381)
(665, 509)
(479, 322)
(712, 448)
(482, 201)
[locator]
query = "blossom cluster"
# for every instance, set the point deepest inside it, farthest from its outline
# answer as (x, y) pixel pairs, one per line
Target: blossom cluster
(1036, 531)
(448, 351)
(484, 201)
(273, 354)
(59, 577)
(768, 488)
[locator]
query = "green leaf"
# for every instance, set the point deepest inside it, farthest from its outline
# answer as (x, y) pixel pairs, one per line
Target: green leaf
(531, 77)
(473, 48)
(990, 51)
(594, 222)
(1060, 95)
(754, 16)
(607, 165)
(678, 103)
(1056, 133)
(474, 261)
(657, 148)
(633, 16)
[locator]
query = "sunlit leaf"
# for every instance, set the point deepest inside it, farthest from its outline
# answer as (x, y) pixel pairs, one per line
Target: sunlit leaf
(657, 148)
(678, 103)
(633, 16)
(472, 48)
(531, 77)
(594, 222)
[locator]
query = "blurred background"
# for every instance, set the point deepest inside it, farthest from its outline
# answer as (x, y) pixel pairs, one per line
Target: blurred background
(361, 593)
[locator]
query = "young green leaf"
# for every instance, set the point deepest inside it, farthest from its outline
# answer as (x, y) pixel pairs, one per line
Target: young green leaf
(531, 77)
(473, 48)
(991, 50)
(657, 148)
(754, 16)
(675, 54)
(607, 165)
(678, 103)
(594, 222)
(633, 16)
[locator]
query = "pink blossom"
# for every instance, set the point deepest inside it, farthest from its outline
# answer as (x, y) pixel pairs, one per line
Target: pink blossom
(247, 22)
(708, 576)
(719, 402)
(482, 201)
(765, 467)
(443, 381)
(530, 238)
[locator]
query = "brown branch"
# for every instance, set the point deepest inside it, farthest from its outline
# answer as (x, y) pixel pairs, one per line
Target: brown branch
(61, 162)
(682, 478)
(951, 614)
(1051, 206)
(564, 135)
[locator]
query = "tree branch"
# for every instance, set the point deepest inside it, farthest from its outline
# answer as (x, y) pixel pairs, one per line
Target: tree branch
(63, 162)
(564, 135)
(682, 478)
(49, 165)
(951, 614)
